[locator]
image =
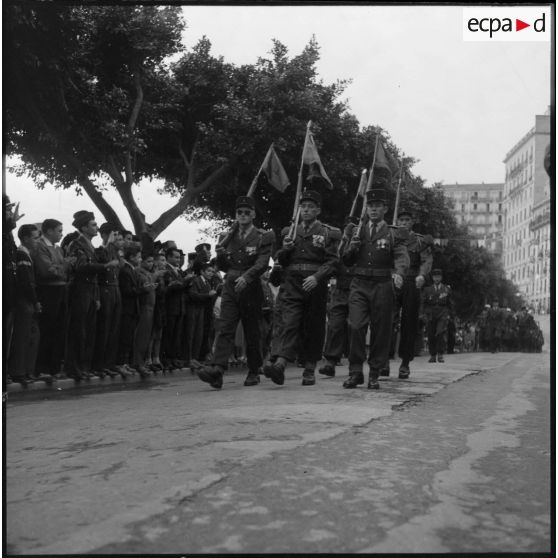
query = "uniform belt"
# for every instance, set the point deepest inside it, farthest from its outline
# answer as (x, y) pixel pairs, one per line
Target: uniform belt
(369, 272)
(303, 267)
(108, 283)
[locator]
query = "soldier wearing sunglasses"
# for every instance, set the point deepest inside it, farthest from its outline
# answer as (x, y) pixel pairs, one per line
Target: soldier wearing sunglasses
(243, 254)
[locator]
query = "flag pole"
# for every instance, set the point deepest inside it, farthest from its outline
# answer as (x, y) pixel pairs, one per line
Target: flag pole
(254, 184)
(296, 212)
(360, 192)
(396, 208)
(368, 187)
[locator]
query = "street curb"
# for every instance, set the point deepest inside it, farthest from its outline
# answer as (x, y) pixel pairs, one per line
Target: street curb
(71, 384)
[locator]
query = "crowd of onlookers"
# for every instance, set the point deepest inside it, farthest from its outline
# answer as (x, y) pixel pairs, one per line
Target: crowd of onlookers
(128, 306)
(136, 306)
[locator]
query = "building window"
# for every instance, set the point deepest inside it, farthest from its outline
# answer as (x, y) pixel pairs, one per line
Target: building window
(499, 207)
(488, 208)
(475, 206)
(462, 207)
(499, 219)
(475, 195)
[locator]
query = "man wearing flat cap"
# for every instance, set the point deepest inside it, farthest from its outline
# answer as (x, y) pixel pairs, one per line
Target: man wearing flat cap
(437, 307)
(308, 260)
(243, 254)
(84, 296)
(375, 250)
(419, 248)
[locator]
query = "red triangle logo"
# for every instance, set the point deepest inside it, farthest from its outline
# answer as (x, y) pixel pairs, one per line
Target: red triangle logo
(519, 25)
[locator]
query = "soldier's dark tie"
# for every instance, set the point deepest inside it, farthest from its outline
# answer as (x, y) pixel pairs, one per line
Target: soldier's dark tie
(372, 230)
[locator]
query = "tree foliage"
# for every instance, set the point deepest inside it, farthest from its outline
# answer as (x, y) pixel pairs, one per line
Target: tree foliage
(92, 102)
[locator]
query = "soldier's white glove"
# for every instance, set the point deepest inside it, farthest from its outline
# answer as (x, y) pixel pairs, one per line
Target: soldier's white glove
(397, 280)
(419, 281)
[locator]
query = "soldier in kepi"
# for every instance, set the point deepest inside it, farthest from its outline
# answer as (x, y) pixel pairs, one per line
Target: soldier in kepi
(375, 250)
(436, 307)
(308, 260)
(243, 254)
(420, 263)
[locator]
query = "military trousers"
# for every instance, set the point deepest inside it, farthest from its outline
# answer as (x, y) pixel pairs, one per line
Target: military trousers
(337, 334)
(437, 330)
(410, 305)
(107, 334)
(245, 307)
(370, 303)
(304, 316)
(52, 323)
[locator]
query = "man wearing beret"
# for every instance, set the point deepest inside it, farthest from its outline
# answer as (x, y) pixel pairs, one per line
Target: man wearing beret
(84, 296)
(437, 306)
(308, 260)
(375, 250)
(243, 254)
(420, 263)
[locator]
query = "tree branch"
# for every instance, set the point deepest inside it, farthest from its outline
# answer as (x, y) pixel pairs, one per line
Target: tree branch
(167, 217)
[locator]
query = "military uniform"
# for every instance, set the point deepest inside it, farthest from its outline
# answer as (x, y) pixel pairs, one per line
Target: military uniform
(266, 326)
(245, 255)
(337, 334)
(420, 263)
(381, 250)
(494, 324)
(437, 305)
(314, 253)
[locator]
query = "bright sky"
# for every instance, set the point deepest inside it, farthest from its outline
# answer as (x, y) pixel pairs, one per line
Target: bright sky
(456, 106)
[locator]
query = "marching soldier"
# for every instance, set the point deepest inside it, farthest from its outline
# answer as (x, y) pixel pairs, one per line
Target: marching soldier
(374, 251)
(337, 335)
(308, 260)
(495, 326)
(243, 254)
(420, 263)
(437, 307)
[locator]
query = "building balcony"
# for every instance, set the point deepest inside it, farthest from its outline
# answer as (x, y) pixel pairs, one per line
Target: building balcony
(539, 221)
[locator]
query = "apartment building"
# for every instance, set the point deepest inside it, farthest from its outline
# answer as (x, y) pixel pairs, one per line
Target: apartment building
(526, 232)
(480, 207)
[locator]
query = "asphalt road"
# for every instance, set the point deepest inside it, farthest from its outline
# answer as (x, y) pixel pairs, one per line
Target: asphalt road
(455, 459)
